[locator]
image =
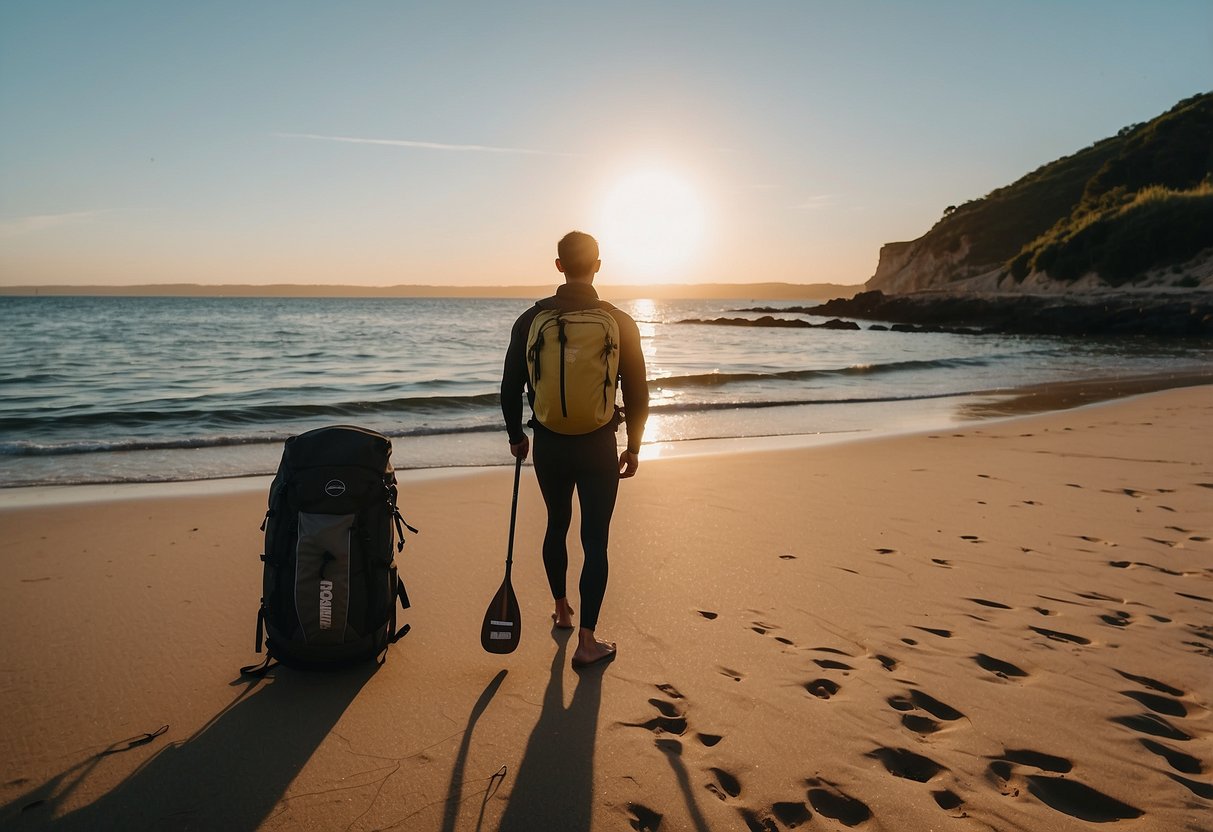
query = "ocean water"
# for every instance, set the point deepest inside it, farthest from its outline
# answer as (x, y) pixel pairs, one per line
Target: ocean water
(115, 389)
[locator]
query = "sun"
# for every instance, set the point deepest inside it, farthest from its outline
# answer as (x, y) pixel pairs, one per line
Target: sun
(651, 224)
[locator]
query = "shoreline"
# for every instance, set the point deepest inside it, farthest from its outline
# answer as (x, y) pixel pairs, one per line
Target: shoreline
(987, 407)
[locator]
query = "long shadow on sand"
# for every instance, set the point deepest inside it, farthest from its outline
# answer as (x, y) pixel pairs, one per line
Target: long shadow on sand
(229, 775)
(554, 788)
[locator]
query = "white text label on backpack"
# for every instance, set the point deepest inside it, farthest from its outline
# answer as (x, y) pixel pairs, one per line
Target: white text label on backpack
(326, 605)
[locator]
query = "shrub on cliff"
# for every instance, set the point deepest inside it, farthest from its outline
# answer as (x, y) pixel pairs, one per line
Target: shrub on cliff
(1125, 238)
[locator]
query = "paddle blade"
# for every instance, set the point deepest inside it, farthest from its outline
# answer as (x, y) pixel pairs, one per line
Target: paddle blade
(502, 625)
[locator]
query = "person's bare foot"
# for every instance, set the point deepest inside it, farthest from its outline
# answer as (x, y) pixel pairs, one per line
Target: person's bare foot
(592, 651)
(562, 619)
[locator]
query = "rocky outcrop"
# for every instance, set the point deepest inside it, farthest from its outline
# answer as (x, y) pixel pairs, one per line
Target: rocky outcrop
(1169, 315)
(773, 322)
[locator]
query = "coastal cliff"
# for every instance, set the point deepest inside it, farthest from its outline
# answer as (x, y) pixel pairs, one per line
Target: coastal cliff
(1133, 211)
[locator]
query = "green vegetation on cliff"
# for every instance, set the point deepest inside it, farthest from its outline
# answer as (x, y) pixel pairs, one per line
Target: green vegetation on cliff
(1126, 205)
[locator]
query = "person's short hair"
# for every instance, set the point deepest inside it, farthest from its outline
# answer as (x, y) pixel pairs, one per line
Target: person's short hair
(578, 253)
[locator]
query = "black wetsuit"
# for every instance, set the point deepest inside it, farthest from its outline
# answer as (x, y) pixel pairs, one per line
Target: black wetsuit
(587, 462)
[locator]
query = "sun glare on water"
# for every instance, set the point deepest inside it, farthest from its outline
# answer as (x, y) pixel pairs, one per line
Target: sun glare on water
(651, 224)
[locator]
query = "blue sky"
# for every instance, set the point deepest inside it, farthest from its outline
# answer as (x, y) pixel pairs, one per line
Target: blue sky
(453, 143)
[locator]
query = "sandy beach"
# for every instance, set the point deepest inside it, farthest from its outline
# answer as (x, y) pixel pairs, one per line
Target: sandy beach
(1007, 626)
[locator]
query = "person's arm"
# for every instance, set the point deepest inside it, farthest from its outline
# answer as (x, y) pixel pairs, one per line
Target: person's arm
(513, 381)
(634, 383)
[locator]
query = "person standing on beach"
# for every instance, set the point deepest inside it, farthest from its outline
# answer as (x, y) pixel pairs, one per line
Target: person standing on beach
(585, 462)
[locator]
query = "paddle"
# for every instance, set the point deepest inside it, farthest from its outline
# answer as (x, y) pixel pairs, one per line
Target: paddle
(502, 625)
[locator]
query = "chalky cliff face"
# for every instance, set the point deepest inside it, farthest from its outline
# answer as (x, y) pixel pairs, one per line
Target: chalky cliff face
(918, 266)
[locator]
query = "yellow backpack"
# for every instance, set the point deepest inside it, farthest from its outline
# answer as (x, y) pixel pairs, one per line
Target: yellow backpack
(573, 368)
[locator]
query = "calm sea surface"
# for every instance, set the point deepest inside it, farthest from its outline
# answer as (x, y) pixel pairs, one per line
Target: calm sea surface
(154, 389)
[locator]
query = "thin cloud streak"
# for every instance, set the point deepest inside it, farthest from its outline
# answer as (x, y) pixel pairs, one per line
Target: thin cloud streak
(458, 148)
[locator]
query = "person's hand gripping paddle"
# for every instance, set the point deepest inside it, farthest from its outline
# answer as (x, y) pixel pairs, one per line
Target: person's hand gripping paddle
(502, 625)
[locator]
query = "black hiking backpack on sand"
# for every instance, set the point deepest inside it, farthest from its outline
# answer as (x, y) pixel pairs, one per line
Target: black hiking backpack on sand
(331, 532)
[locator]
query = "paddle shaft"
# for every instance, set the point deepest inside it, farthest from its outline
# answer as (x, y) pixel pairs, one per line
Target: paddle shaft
(509, 552)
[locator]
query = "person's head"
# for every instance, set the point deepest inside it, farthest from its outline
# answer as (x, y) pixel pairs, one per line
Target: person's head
(577, 257)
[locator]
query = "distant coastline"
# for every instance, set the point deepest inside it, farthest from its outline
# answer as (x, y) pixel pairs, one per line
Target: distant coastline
(766, 291)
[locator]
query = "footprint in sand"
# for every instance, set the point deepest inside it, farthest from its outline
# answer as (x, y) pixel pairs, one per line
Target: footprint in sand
(1062, 794)
(708, 614)
(1176, 759)
(999, 667)
(822, 688)
(790, 814)
(921, 725)
(763, 628)
(1153, 725)
(935, 632)
(924, 701)
(1098, 596)
(946, 799)
(661, 725)
(1152, 684)
(972, 538)
(901, 762)
(831, 802)
(1157, 703)
(787, 557)
(917, 723)
(1133, 564)
(728, 671)
(726, 784)
(1197, 788)
(670, 719)
(667, 709)
(1057, 635)
(1079, 800)
(832, 664)
(1119, 618)
(1037, 759)
(883, 551)
(643, 819)
(946, 564)
(995, 604)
